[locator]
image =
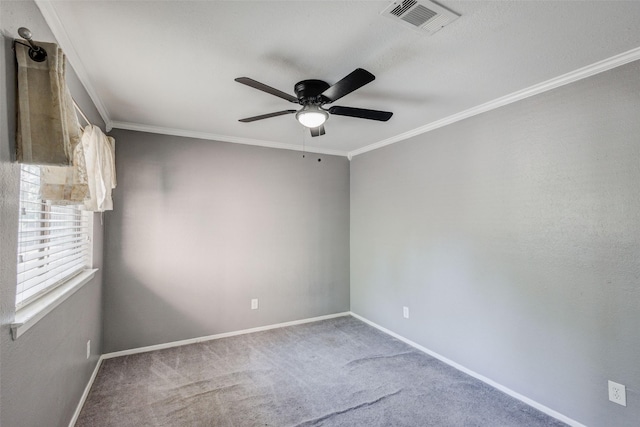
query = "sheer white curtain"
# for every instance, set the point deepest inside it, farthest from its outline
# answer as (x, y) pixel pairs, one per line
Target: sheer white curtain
(99, 155)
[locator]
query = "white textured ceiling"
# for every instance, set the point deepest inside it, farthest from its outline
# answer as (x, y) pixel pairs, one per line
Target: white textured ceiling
(169, 66)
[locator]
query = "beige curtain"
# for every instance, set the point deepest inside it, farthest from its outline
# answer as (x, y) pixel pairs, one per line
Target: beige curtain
(75, 168)
(90, 180)
(47, 130)
(65, 185)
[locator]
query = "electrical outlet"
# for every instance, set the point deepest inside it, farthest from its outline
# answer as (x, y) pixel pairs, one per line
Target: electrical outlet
(88, 348)
(254, 304)
(617, 393)
(405, 312)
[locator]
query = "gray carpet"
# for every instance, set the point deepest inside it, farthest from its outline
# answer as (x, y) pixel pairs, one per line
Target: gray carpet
(338, 372)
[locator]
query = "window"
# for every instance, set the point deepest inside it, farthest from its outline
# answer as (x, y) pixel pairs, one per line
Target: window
(54, 242)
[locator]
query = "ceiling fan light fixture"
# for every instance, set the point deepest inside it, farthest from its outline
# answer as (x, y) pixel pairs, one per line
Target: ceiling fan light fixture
(312, 116)
(313, 94)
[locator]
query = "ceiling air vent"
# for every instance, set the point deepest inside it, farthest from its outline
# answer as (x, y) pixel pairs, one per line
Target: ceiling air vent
(421, 15)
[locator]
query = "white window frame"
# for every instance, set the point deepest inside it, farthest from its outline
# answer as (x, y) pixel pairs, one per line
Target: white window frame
(55, 250)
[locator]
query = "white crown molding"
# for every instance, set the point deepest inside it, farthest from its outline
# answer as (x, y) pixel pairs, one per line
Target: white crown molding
(539, 406)
(223, 138)
(570, 77)
(51, 17)
(57, 28)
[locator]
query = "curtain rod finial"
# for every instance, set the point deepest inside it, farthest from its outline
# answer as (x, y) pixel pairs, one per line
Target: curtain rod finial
(24, 33)
(36, 53)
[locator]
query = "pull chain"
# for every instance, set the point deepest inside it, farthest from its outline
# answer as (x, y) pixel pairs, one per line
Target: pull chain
(303, 140)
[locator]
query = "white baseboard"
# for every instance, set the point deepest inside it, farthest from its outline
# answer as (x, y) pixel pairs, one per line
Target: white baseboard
(506, 390)
(76, 414)
(218, 336)
(85, 394)
(540, 407)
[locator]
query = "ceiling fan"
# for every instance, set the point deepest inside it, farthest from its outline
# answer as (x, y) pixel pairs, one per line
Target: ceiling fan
(314, 94)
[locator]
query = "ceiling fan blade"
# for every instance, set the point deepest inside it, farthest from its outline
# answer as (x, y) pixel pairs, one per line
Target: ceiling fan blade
(355, 80)
(266, 116)
(361, 113)
(263, 87)
(319, 131)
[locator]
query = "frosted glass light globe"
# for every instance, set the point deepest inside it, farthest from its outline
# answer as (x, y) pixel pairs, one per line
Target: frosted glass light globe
(312, 116)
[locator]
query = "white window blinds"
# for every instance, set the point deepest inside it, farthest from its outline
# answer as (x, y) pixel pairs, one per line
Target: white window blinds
(54, 242)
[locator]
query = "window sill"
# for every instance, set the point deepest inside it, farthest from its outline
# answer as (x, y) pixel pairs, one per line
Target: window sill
(29, 315)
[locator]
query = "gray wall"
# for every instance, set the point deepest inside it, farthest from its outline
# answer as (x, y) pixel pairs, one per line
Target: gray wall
(514, 239)
(44, 372)
(512, 236)
(201, 227)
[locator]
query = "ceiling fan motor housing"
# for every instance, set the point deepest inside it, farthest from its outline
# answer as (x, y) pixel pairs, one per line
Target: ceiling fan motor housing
(310, 92)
